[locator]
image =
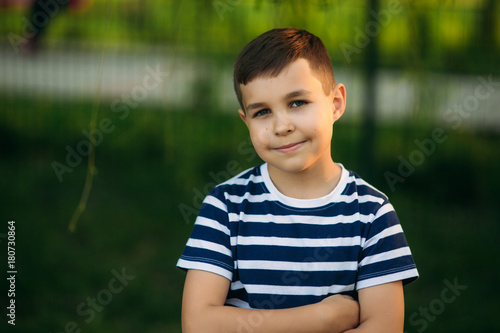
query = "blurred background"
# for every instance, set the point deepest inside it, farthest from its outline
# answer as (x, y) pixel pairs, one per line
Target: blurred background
(117, 117)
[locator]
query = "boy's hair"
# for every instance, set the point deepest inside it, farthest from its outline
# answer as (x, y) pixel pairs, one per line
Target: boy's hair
(269, 53)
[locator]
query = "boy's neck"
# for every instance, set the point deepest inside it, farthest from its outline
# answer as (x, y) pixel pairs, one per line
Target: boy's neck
(312, 183)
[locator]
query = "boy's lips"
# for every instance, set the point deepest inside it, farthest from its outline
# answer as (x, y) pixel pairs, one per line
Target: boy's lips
(289, 147)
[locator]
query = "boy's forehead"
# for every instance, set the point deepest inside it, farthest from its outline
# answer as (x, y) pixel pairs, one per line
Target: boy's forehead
(300, 64)
(294, 77)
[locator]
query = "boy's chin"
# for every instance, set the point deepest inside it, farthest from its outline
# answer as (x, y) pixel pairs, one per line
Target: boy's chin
(287, 167)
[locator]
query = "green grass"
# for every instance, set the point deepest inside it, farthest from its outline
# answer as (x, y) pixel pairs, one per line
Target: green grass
(154, 161)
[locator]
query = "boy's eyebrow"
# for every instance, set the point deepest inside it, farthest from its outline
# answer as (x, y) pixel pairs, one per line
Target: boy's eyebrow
(290, 95)
(254, 106)
(296, 93)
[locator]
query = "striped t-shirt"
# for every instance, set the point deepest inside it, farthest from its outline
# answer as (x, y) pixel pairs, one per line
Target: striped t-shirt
(282, 252)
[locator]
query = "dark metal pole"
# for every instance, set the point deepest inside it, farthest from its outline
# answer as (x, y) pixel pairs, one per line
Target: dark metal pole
(367, 153)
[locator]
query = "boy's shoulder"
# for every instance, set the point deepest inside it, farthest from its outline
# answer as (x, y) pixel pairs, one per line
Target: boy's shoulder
(241, 183)
(252, 174)
(362, 187)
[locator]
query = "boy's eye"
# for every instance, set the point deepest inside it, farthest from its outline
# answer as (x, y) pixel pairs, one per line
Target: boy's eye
(296, 104)
(261, 113)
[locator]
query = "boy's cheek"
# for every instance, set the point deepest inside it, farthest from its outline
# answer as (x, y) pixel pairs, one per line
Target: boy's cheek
(259, 136)
(260, 146)
(257, 146)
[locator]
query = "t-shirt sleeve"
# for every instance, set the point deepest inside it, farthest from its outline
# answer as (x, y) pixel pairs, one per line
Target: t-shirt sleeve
(385, 255)
(209, 246)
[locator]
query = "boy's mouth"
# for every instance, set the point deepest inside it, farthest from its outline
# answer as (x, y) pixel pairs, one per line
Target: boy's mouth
(289, 147)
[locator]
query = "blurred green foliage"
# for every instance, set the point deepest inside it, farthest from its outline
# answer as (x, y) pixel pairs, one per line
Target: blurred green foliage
(458, 35)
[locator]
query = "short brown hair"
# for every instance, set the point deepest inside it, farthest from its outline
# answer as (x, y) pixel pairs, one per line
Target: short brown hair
(271, 52)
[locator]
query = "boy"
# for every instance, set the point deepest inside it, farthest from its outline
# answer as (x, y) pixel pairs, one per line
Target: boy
(298, 244)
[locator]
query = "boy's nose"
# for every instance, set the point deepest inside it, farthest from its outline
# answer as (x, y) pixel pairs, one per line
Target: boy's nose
(283, 125)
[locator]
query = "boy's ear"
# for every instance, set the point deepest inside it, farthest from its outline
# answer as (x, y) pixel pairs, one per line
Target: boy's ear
(242, 115)
(339, 101)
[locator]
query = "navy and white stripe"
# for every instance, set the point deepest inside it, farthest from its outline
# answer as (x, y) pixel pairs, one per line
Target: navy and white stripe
(281, 252)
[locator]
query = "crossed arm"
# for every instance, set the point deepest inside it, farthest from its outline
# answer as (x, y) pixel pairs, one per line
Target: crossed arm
(380, 309)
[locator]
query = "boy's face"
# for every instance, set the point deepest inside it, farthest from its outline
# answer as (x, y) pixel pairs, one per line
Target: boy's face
(290, 119)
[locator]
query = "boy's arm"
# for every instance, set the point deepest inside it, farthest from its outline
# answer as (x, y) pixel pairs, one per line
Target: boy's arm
(203, 310)
(381, 309)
